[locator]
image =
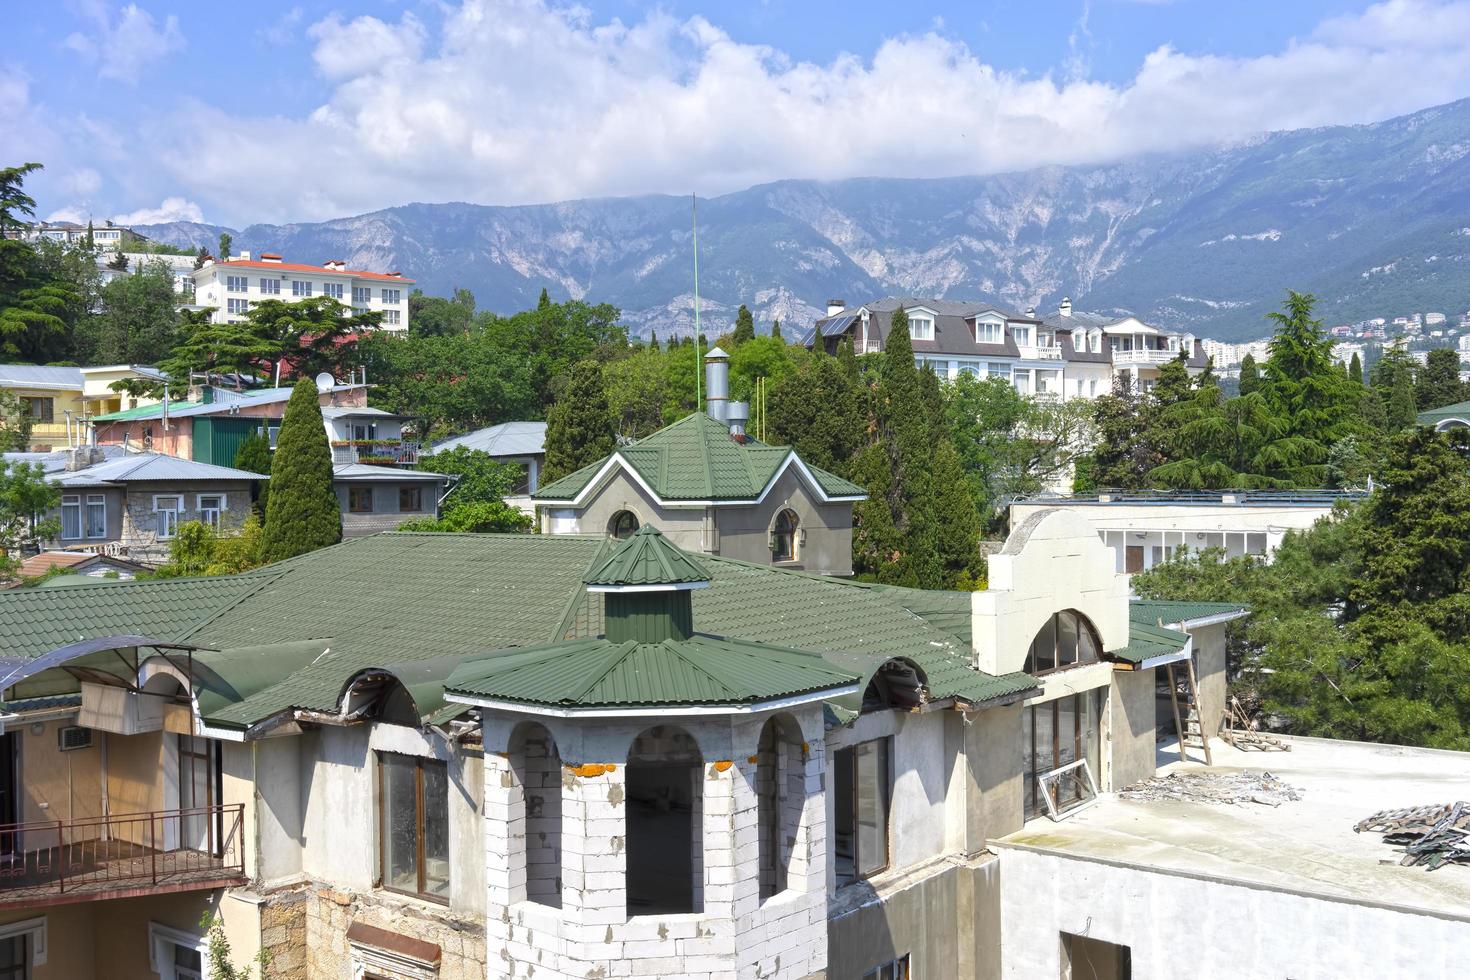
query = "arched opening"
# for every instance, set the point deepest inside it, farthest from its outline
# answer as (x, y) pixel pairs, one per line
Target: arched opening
(785, 536)
(896, 684)
(537, 765)
(665, 818)
(1067, 639)
(780, 788)
(622, 525)
(382, 696)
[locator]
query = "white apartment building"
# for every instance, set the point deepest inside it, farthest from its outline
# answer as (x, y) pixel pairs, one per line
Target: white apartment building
(107, 237)
(232, 287)
(1070, 354)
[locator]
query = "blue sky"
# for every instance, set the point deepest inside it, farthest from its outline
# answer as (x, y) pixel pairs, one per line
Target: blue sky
(278, 111)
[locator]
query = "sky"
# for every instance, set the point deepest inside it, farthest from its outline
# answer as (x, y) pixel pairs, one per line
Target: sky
(279, 111)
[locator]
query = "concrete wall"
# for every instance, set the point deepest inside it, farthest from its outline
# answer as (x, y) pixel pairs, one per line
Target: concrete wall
(1210, 674)
(1053, 561)
(1130, 729)
(993, 798)
(1232, 930)
(745, 532)
(385, 515)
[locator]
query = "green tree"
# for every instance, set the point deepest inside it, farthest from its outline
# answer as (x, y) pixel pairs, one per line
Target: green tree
(481, 479)
(579, 427)
(1250, 375)
(1439, 383)
(482, 517)
(221, 966)
(637, 390)
(138, 322)
(225, 241)
(758, 357)
(451, 383)
(39, 304)
(303, 514)
(197, 549)
(210, 348)
(254, 456)
(25, 491)
(1301, 384)
(1355, 369)
(776, 330)
(309, 336)
(817, 411)
(1127, 450)
(1401, 405)
(744, 326)
(435, 316)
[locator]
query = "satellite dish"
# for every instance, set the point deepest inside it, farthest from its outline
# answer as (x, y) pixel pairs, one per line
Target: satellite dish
(325, 381)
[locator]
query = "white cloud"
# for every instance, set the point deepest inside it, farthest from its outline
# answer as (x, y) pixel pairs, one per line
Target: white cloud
(510, 101)
(83, 181)
(365, 45)
(172, 209)
(122, 46)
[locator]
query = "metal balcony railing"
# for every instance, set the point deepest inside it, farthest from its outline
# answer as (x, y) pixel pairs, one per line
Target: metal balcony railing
(46, 861)
(388, 452)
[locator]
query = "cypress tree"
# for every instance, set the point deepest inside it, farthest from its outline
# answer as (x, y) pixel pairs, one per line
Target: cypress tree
(653, 340)
(776, 330)
(1355, 369)
(1401, 410)
(744, 327)
(1439, 382)
(580, 427)
(303, 514)
(254, 456)
(544, 301)
(846, 358)
(1250, 375)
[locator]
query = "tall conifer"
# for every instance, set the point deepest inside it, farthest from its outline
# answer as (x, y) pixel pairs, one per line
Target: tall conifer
(303, 513)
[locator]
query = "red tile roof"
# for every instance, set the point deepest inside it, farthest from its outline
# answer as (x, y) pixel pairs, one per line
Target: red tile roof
(317, 269)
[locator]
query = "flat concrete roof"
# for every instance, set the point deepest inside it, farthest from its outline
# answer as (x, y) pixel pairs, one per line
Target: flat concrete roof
(1306, 847)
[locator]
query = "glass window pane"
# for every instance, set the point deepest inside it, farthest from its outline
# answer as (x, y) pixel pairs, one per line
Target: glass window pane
(1086, 644)
(1066, 639)
(844, 836)
(1028, 759)
(436, 829)
(872, 806)
(1043, 648)
(400, 823)
(1066, 746)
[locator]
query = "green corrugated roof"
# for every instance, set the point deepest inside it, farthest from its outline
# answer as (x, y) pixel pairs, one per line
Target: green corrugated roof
(695, 459)
(1434, 416)
(144, 412)
(1146, 642)
(597, 673)
(1155, 611)
(647, 558)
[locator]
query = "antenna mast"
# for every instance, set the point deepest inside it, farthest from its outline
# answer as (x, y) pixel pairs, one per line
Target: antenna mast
(694, 213)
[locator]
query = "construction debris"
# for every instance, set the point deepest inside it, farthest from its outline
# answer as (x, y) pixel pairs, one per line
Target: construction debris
(1212, 786)
(1428, 835)
(1244, 733)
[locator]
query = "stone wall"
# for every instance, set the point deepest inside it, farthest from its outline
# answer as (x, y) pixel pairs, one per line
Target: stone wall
(140, 521)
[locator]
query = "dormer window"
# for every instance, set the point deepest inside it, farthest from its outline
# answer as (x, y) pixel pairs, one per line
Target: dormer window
(921, 328)
(989, 332)
(1022, 336)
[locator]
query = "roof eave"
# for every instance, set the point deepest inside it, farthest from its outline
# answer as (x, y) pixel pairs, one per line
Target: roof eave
(641, 711)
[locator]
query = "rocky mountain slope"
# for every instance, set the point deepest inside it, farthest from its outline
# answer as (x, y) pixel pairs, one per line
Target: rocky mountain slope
(1374, 219)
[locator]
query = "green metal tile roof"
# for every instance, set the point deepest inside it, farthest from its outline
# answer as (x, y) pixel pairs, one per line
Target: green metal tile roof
(1156, 611)
(1434, 416)
(647, 558)
(596, 673)
(695, 459)
(1146, 642)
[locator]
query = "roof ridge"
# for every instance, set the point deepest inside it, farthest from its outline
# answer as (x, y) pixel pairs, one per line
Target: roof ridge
(623, 649)
(265, 579)
(673, 647)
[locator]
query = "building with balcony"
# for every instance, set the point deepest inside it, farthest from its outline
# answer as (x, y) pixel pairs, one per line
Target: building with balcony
(106, 237)
(511, 755)
(62, 400)
(1067, 355)
(230, 287)
(360, 434)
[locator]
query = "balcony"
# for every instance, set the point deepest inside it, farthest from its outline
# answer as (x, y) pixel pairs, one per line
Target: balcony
(384, 452)
(1040, 353)
(1144, 357)
(54, 862)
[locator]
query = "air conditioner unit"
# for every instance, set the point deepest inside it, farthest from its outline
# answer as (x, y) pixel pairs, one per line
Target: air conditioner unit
(73, 737)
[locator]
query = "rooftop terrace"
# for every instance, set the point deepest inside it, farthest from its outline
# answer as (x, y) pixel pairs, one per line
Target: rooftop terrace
(1306, 847)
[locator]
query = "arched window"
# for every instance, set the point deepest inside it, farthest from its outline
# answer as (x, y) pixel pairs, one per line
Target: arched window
(624, 524)
(1066, 640)
(784, 535)
(537, 766)
(665, 819)
(780, 788)
(896, 684)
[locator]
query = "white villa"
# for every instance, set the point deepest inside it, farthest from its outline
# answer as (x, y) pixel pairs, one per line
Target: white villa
(231, 287)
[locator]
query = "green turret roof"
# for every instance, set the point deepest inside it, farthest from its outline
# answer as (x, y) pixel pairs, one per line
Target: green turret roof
(646, 559)
(702, 671)
(696, 459)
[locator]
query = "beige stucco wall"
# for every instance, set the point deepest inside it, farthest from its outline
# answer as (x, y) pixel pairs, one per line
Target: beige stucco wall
(683, 526)
(57, 785)
(1053, 561)
(827, 549)
(993, 759)
(1129, 732)
(1210, 674)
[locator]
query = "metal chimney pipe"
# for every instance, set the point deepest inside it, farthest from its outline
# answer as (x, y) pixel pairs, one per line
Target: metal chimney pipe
(717, 384)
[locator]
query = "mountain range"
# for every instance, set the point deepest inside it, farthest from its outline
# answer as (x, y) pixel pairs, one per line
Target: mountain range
(1374, 219)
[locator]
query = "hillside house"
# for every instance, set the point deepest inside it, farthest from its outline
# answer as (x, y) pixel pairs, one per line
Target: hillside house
(231, 287)
(60, 400)
(521, 444)
(712, 488)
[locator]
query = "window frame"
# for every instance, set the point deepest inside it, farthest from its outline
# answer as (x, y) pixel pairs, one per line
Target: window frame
(420, 814)
(301, 288)
(393, 317)
(416, 495)
(362, 294)
(332, 289)
(237, 284)
(898, 968)
(219, 511)
(352, 492)
(790, 534)
(269, 286)
(921, 327)
(619, 518)
(1086, 711)
(392, 296)
(176, 511)
(72, 501)
(234, 306)
(883, 744)
(1082, 626)
(989, 332)
(92, 499)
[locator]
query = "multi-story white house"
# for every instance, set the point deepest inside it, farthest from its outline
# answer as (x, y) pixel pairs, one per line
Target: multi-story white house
(1070, 354)
(107, 237)
(231, 287)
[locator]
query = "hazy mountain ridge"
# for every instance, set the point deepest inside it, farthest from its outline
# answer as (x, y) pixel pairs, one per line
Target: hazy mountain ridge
(1206, 240)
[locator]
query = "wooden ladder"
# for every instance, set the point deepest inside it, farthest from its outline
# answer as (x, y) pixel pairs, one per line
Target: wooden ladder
(1187, 723)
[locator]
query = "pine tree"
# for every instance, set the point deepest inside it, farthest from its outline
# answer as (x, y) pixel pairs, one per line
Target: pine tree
(303, 514)
(1401, 405)
(580, 427)
(1439, 383)
(744, 327)
(817, 411)
(653, 340)
(1316, 403)
(776, 329)
(956, 521)
(545, 301)
(1355, 369)
(254, 456)
(1250, 375)
(225, 241)
(846, 358)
